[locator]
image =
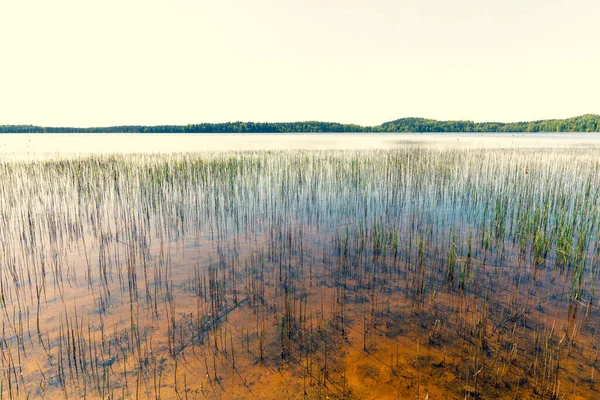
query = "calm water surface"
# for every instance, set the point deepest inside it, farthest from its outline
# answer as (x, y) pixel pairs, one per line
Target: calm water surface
(51, 145)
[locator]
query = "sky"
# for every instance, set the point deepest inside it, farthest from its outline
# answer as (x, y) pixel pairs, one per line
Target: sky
(100, 63)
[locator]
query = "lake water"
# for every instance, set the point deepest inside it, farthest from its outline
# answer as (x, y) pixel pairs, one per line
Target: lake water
(421, 267)
(33, 146)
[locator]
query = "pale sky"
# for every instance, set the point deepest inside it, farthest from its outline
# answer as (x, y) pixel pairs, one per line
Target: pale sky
(99, 63)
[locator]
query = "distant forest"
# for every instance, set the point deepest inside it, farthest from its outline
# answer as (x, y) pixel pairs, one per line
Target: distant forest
(584, 123)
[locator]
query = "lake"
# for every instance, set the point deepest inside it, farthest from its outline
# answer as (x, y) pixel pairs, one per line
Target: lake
(32, 146)
(330, 266)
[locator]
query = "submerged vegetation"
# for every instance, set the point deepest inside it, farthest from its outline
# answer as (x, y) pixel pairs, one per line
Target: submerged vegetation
(410, 273)
(584, 123)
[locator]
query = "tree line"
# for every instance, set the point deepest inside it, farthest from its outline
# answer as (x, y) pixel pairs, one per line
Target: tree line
(584, 123)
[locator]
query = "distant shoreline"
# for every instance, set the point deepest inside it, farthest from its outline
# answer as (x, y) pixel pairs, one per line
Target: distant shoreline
(583, 123)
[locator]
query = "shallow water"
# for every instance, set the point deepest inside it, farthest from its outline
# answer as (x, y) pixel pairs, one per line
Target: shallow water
(403, 273)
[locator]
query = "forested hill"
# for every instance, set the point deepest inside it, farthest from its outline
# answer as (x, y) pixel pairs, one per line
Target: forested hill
(584, 123)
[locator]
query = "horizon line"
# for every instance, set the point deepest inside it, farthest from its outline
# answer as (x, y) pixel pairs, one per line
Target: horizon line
(305, 121)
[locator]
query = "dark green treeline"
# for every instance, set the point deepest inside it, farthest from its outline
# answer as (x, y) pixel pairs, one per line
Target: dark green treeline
(584, 123)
